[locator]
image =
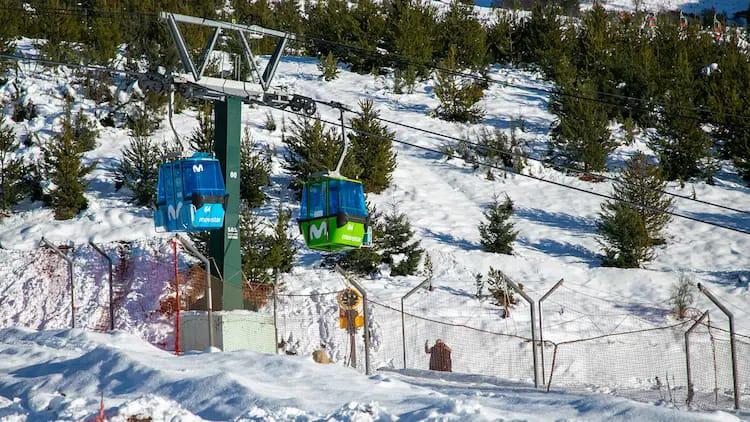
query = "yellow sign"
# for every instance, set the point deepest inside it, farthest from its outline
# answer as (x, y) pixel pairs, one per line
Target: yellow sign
(350, 301)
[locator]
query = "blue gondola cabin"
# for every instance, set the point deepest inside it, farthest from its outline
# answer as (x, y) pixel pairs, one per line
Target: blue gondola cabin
(191, 195)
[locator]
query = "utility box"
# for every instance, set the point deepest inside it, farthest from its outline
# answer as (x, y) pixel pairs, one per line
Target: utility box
(233, 330)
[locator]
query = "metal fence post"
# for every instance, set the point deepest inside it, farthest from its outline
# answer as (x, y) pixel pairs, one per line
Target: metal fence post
(366, 315)
(735, 375)
(403, 323)
(275, 317)
(541, 329)
(71, 279)
(111, 289)
(526, 297)
(209, 303)
(691, 391)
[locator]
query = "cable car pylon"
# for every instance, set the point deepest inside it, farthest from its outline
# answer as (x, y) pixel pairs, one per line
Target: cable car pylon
(201, 192)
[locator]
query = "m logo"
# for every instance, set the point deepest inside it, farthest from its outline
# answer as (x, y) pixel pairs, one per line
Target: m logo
(318, 232)
(197, 168)
(173, 212)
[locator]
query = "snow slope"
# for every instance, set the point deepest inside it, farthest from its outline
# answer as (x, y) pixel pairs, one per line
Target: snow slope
(443, 199)
(63, 375)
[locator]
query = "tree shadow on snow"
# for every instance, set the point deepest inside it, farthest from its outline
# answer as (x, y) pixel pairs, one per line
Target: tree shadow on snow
(564, 249)
(447, 238)
(567, 222)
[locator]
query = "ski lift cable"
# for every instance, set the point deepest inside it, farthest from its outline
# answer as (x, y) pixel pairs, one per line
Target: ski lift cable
(544, 162)
(131, 73)
(537, 178)
(398, 58)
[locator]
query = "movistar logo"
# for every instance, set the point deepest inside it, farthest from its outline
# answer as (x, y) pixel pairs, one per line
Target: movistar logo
(197, 168)
(318, 232)
(173, 212)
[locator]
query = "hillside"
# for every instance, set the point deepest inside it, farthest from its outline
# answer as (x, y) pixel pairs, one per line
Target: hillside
(443, 199)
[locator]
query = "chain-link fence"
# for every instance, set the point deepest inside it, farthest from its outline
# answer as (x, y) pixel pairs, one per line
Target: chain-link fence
(592, 340)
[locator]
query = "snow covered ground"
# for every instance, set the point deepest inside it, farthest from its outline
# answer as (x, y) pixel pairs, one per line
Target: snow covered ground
(65, 375)
(443, 199)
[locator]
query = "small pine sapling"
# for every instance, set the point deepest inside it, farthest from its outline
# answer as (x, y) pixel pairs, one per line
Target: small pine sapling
(328, 66)
(624, 236)
(255, 170)
(371, 148)
(399, 251)
(458, 96)
(202, 137)
(497, 288)
(138, 170)
(497, 232)
(64, 166)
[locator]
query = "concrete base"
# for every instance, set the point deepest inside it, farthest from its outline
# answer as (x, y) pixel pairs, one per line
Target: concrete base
(233, 330)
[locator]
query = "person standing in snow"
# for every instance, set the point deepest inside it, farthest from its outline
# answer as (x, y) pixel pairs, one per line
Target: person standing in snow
(440, 356)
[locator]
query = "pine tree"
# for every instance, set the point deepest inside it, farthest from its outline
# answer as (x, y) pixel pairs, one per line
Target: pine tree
(138, 170)
(312, 148)
(281, 248)
(461, 31)
(641, 183)
(624, 236)
(681, 142)
(202, 137)
(63, 165)
(500, 38)
(365, 261)
(497, 232)
(411, 33)
(328, 67)
(254, 242)
(141, 123)
(85, 132)
(255, 169)
(458, 96)
(372, 153)
(581, 136)
(398, 250)
(9, 31)
(370, 28)
(543, 39)
(12, 170)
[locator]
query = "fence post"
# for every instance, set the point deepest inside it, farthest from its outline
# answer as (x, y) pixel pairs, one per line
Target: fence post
(735, 375)
(526, 297)
(275, 317)
(403, 324)
(552, 368)
(690, 391)
(71, 279)
(365, 314)
(541, 329)
(111, 291)
(209, 300)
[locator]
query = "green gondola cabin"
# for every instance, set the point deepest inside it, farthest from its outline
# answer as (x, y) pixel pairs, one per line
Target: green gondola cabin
(333, 214)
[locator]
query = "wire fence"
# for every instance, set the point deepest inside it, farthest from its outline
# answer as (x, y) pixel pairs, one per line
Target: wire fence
(592, 340)
(614, 352)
